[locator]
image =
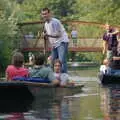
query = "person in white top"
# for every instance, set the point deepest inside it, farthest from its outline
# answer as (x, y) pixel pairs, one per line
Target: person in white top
(57, 36)
(62, 77)
(105, 67)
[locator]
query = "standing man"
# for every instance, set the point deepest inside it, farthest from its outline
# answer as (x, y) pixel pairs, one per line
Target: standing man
(110, 41)
(57, 36)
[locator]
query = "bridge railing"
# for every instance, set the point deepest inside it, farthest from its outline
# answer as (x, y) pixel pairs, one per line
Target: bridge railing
(89, 35)
(83, 44)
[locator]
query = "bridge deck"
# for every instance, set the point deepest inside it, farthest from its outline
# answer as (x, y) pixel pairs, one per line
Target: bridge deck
(84, 45)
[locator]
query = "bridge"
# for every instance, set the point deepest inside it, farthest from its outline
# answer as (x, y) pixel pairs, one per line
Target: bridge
(89, 37)
(95, 45)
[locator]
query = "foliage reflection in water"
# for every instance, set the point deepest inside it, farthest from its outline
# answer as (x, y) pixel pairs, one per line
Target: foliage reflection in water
(110, 102)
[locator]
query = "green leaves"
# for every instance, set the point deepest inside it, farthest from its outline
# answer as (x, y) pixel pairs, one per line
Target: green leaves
(8, 30)
(99, 11)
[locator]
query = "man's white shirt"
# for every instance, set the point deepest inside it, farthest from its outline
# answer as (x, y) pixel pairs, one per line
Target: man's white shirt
(55, 28)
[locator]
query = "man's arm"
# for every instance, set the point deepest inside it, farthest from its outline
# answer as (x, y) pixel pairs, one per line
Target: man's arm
(105, 46)
(115, 32)
(52, 77)
(116, 58)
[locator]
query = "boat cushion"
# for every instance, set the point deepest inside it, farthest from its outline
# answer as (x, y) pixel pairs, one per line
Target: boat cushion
(32, 79)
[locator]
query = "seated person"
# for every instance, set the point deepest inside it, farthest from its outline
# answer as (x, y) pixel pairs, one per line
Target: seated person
(16, 69)
(115, 63)
(42, 71)
(104, 67)
(62, 77)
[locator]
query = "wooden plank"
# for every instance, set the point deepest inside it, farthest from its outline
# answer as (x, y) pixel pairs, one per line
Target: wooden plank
(67, 21)
(74, 49)
(109, 79)
(35, 84)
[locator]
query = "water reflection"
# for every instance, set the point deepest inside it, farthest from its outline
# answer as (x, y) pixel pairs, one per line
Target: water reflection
(15, 99)
(58, 111)
(48, 104)
(110, 102)
(60, 104)
(53, 104)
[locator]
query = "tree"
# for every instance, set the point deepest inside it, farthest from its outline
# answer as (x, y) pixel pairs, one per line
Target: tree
(8, 30)
(99, 11)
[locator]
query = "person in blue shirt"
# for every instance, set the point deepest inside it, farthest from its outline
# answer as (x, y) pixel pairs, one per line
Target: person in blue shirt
(42, 71)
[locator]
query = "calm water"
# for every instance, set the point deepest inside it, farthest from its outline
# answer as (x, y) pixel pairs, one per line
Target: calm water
(92, 103)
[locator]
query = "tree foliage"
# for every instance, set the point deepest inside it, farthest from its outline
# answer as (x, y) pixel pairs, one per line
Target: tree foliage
(87, 10)
(8, 29)
(14, 11)
(99, 11)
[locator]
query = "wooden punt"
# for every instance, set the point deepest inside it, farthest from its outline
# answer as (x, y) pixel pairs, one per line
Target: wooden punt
(18, 96)
(106, 79)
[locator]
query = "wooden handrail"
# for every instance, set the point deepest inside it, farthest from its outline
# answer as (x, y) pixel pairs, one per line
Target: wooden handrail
(66, 21)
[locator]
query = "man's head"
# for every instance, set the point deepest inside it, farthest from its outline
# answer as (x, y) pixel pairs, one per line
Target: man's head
(46, 14)
(107, 26)
(39, 59)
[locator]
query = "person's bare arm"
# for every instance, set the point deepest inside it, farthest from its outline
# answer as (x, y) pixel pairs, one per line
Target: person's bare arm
(55, 82)
(115, 32)
(105, 45)
(116, 58)
(6, 76)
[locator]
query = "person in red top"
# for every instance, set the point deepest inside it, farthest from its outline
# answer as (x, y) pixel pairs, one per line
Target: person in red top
(16, 69)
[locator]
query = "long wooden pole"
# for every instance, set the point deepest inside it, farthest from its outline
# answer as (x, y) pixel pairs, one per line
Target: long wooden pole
(45, 48)
(44, 42)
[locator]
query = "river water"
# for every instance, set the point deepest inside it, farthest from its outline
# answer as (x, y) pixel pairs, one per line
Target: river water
(93, 102)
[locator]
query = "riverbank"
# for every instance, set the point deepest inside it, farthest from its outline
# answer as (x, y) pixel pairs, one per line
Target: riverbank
(82, 64)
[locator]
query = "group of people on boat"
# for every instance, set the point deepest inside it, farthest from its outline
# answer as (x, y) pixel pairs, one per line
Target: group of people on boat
(111, 50)
(39, 70)
(55, 33)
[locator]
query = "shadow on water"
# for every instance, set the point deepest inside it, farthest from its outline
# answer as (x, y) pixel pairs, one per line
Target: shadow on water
(110, 102)
(20, 102)
(15, 98)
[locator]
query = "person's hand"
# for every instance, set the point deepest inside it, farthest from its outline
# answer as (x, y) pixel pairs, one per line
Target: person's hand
(56, 82)
(45, 36)
(116, 58)
(103, 52)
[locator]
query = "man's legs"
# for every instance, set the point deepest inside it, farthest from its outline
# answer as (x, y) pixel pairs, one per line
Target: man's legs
(54, 55)
(113, 71)
(62, 55)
